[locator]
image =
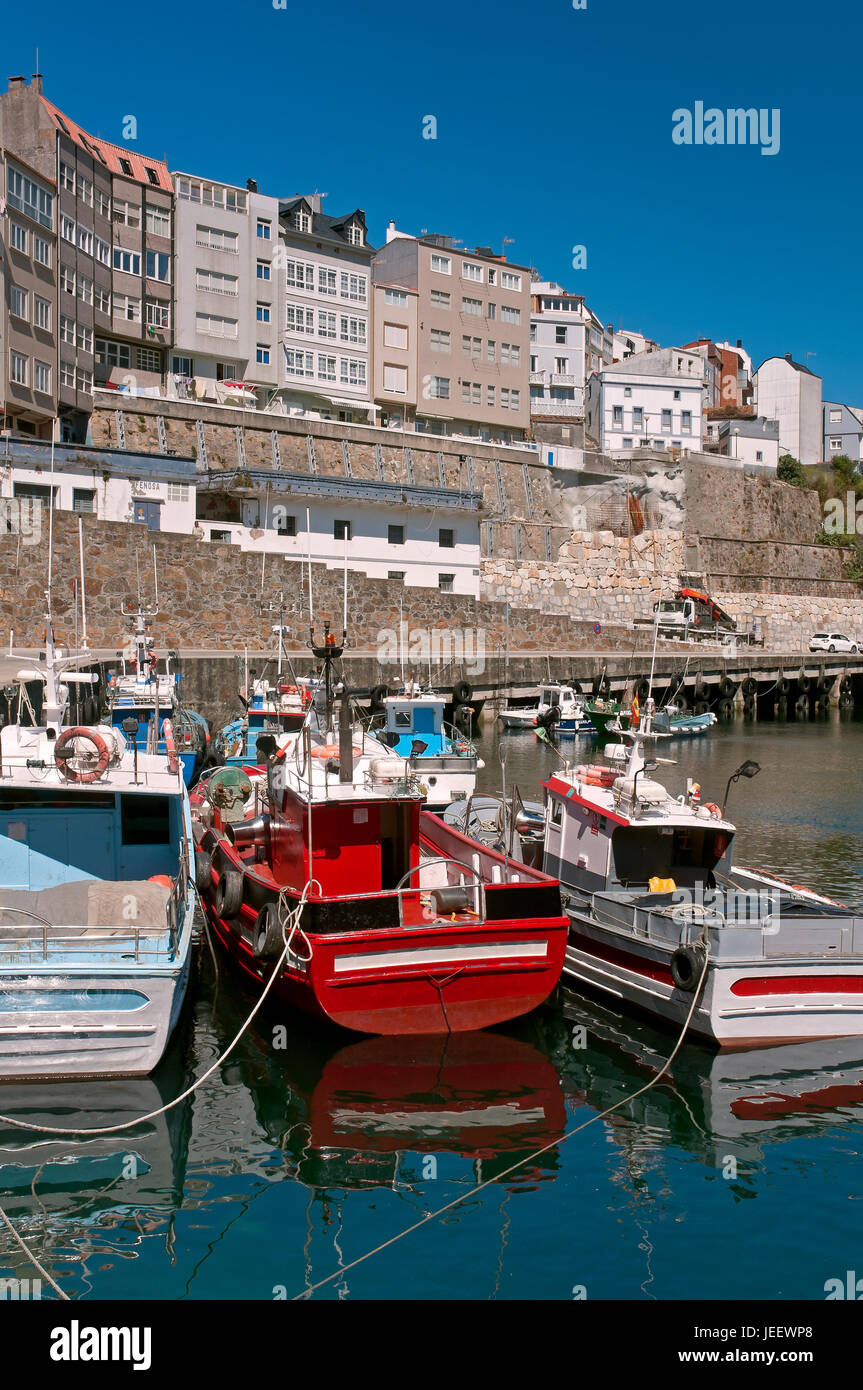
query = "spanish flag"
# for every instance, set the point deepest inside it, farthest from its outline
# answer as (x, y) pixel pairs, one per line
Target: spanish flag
(633, 713)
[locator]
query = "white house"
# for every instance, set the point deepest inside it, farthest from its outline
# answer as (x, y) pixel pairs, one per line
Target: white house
(652, 399)
(751, 441)
(567, 342)
(790, 393)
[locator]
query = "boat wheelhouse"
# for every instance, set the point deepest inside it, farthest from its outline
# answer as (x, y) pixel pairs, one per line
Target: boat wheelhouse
(569, 703)
(443, 758)
(375, 914)
(658, 910)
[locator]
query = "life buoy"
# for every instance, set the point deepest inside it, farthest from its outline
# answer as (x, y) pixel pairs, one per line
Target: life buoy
(714, 810)
(92, 774)
(170, 746)
(332, 750)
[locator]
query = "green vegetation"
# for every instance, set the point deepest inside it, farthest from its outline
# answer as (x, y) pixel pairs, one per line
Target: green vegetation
(790, 470)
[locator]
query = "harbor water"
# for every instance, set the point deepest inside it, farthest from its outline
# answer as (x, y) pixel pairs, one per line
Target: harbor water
(737, 1176)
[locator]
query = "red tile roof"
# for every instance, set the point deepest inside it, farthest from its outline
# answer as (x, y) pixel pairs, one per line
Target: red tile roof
(110, 155)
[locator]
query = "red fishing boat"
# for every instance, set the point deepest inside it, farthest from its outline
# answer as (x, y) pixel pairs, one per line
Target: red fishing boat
(323, 866)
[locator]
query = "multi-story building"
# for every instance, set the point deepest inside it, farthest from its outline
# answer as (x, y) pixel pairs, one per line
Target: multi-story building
(325, 337)
(28, 300)
(628, 343)
(228, 294)
(567, 343)
(745, 438)
(114, 223)
(452, 339)
(790, 393)
(651, 399)
(843, 431)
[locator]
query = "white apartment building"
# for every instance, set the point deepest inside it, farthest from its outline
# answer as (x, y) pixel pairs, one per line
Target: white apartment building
(791, 393)
(567, 343)
(628, 343)
(227, 285)
(325, 358)
(654, 399)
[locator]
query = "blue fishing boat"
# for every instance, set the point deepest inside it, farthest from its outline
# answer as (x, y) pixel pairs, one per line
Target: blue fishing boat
(141, 691)
(96, 905)
(442, 757)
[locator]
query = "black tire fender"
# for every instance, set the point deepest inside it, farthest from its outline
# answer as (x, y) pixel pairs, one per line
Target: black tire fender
(462, 692)
(203, 871)
(229, 894)
(267, 937)
(687, 963)
(378, 695)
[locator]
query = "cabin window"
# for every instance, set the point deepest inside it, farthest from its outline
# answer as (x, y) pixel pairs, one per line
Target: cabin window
(687, 856)
(556, 811)
(403, 719)
(145, 820)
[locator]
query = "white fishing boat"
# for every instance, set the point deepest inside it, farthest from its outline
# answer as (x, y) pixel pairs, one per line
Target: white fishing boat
(568, 703)
(95, 902)
(658, 911)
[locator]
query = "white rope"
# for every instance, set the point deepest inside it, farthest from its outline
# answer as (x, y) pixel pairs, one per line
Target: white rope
(154, 1114)
(32, 1258)
(530, 1158)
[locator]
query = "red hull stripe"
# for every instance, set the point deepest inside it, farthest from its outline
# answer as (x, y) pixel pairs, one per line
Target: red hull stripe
(566, 792)
(651, 969)
(798, 984)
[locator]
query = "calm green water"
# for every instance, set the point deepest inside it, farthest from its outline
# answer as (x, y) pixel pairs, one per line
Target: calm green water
(292, 1161)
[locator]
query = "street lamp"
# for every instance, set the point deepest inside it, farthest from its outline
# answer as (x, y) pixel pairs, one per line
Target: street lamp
(747, 769)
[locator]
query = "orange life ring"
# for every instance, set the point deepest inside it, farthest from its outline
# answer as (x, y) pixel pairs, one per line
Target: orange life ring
(714, 810)
(170, 747)
(332, 750)
(98, 743)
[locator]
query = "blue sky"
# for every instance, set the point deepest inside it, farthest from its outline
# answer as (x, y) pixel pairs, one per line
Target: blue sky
(553, 128)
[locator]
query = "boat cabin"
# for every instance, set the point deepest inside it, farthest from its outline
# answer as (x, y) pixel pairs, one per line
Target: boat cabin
(412, 721)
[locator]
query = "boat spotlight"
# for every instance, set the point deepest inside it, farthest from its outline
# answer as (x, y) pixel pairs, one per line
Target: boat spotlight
(747, 769)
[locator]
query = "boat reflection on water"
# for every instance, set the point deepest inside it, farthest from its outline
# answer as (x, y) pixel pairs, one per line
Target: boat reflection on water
(714, 1105)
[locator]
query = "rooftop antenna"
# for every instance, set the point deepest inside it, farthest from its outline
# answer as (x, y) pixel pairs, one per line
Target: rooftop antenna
(507, 241)
(51, 524)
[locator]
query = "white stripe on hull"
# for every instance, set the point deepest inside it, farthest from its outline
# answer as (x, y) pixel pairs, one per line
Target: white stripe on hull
(429, 955)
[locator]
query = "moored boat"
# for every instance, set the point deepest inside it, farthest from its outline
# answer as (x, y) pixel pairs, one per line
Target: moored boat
(569, 704)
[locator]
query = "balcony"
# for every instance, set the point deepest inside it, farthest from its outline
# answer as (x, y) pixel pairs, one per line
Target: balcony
(541, 407)
(562, 379)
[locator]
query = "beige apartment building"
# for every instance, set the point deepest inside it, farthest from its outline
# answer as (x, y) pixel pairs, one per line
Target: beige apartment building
(28, 342)
(451, 338)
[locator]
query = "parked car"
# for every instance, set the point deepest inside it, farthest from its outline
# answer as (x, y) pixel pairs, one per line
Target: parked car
(832, 642)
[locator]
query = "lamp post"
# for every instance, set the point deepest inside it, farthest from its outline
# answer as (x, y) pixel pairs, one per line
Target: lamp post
(747, 769)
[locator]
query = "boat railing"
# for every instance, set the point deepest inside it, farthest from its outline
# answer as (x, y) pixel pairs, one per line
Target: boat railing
(465, 873)
(37, 941)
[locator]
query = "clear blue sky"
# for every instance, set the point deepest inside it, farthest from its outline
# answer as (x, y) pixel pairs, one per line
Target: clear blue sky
(554, 128)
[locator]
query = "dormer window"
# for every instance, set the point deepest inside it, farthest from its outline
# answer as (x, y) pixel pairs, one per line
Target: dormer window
(302, 220)
(126, 167)
(355, 234)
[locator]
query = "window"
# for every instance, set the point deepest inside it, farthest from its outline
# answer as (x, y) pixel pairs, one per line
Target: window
(836, 417)
(264, 230)
(638, 417)
(352, 330)
(835, 445)
(677, 394)
(83, 499)
(341, 530)
(395, 297)
(178, 492)
(617, 417)
(302, 220)
(67, 375)
(491, 311)
(42, 313)
(515, 400)
(26, 196)
(441, 264)
(352, 372)
(101, 250)
(666, 421)
(42, 377)
(504, 398)
(18, 365)
(627, 443)
(439, 388)
(67, 177)
(509, 315)
(472, 306)
(180, 366)
(686, 421)
(67, 330)
(127, 307)
(509, 281)
(560, 334)
(300, 275)
(67, 228)
(469, 271)
(395, 574)
(158, 221)
(126, 167)
(326, 280)
(158, 265)
(127, 261)
(216, 326)
(41, 250)
(127, 214)
(104, 205)
(560, 366)
(83, 338)
(439, 340)
(216, 282)
(148, 359)
(326, 367)
(355, 234)
(441, 298)
(396, 535)
(18, 302)
(396, 335)
(515, 355)
(326, 324)
(263, 270)
(395, 379)
(627, 390)
(85, 289)
(262, 312)
(759, 456)
(262, 354)
(85, 190)
(299, 319)
(446, 583)
(352, 287)
(216, 238)
(446, 538)
(284, 525)
(158, 313)
(18, 237)
(298, 363)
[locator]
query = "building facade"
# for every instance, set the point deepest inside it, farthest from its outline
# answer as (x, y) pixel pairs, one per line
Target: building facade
(653, 399)
(28, 300)
(843, 432)
(568, 342)
(469, 357)
(751, 440)
(790, 393)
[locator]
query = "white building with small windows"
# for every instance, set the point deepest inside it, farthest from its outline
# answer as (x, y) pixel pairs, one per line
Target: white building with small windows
(654, 399)
(325, 358)
(567, 343)
(228, 288)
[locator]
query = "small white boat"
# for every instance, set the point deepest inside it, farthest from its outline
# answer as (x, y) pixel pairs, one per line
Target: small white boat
(569, 704)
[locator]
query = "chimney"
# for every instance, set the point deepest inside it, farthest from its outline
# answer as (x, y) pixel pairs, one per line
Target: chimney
(36, 82)
(740, 342)
(16, 82)
(788, 357)
(252, 185)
